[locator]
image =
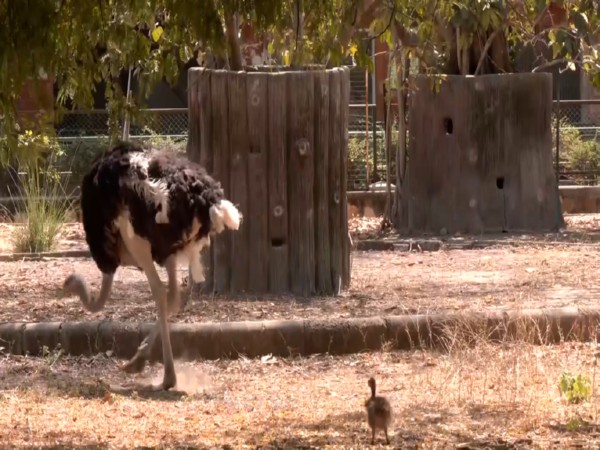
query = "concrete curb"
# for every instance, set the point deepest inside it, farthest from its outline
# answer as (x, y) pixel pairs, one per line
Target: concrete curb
(399, 244)
(434, 245)
(9, 257)
(304, 337)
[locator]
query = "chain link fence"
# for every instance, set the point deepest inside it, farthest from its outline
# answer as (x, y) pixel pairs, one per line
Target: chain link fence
(84, 134)
(576, 140)
(575, 130)
(366, 150)
(170, 122)
(575, 135)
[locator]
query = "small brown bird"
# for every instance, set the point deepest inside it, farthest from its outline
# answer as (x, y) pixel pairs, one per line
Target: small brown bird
(379, 412)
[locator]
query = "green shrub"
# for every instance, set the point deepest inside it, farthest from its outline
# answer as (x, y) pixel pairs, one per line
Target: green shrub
(357, 163)
(77, 155)
(576, 389)
(576, 153)
(45, 207)
(28, 147)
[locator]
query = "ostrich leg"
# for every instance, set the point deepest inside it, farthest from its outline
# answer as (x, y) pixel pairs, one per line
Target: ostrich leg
(140, 250)
(137, 363)
(174, 298)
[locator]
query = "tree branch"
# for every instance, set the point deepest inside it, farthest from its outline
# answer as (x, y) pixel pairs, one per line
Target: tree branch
(486, 48)
(298, 17)
(549, 64)
(387, 26)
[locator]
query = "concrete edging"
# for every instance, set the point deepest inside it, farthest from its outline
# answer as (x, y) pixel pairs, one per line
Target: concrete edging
(9, 257)
(399, 244)
(434, 245)
(303, 337)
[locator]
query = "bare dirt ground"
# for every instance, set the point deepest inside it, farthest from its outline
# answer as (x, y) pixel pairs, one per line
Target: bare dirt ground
(386, 283)
(500, 396)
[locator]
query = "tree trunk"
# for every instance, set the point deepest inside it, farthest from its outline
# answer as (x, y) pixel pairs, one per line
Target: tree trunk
(401, 76)
(298, 19)
(235, 51)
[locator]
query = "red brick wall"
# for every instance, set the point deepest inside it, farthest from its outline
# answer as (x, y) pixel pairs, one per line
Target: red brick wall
(37, 99)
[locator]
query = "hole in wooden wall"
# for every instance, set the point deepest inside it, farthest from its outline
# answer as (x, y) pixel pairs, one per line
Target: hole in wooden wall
(448, 125)
(500, 182)
(277, 242)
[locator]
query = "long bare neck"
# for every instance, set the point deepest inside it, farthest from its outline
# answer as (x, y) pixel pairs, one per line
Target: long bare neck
(89, 301)
(373, 388)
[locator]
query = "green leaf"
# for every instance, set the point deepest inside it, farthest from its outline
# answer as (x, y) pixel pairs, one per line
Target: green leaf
(157, 33)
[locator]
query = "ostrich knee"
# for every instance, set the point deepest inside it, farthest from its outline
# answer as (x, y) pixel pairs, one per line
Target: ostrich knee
(173, 293)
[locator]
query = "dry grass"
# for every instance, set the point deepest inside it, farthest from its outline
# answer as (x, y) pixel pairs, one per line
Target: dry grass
(484, 395)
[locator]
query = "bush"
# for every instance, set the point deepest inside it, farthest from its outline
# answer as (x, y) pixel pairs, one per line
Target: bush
(45, 208)
(357, 163)
(576, 153)
(77, 155)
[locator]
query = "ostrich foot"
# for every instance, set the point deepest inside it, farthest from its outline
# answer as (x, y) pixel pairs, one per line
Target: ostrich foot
(169, 381)
(137, 363)
(134, 365)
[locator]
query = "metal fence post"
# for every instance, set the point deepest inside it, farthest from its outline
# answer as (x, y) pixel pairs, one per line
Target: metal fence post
(557, 105)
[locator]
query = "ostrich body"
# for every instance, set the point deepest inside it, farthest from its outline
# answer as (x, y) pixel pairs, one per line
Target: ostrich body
(379, 412)
(143, 207)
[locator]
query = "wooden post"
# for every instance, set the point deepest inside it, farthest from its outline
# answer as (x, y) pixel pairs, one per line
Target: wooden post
(301, 183)
(277, 141)
(258, 206)
(199, 145)
(220, 143)
(279, 278)
(323, 257)
(335, 179)
(343, 129)
(239, 148)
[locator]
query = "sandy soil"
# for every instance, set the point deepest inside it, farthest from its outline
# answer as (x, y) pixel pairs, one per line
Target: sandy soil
(502, 277)
(500, 396)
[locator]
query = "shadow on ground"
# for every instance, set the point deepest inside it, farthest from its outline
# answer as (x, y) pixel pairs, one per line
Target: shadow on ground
(65, 383)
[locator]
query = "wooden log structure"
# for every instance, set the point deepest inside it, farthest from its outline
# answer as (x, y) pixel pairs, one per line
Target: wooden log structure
(277, 140)
(480, 156)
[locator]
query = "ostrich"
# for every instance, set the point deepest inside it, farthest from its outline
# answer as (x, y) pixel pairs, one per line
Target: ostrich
(379, 412)
(140, 206)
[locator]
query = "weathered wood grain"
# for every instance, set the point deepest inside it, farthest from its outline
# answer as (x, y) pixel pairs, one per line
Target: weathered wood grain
(278, 205)
(343, 129)
(258, 213)
(335, 179)
(301, 183)
(480, 156)
(277, 143)
(221, 170)
(201, 105)
(239, 148)
(324, 283)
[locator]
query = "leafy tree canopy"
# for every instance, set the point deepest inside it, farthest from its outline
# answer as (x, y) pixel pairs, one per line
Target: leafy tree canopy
(82, 43)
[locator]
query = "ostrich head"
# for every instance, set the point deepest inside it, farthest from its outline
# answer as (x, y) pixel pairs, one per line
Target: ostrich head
(372, 385)
(75, 284)
(225, 215)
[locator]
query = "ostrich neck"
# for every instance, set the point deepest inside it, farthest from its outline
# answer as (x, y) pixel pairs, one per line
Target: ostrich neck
(90, 302)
